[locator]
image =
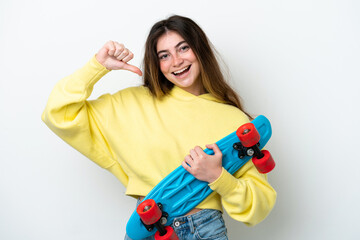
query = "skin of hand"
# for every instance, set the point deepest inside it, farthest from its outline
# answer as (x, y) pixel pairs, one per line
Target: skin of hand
(202, 166)
(114, 56)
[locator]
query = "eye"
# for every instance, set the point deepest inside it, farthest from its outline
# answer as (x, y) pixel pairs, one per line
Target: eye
(163, 56)
(184, 48)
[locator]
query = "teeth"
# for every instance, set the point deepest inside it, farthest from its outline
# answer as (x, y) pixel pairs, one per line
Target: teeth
(182, 70)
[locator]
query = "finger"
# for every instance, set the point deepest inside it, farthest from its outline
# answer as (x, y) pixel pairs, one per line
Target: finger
(128, 57)
(186, 166)
(215, 148)
(111, 48)
(199, 151)
(133, 69)
(193, 153)
(123, 54)
(119, 49)
(189, 160)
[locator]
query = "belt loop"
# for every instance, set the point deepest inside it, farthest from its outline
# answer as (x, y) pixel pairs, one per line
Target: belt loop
(191, 224)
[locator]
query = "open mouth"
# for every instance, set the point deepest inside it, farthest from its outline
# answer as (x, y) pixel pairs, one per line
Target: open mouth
(182, 71)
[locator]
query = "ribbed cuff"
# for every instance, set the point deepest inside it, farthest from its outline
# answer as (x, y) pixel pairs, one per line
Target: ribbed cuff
(224, 184)
(90, 73)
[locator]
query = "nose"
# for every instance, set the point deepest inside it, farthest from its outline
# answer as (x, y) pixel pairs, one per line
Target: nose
(177, 60)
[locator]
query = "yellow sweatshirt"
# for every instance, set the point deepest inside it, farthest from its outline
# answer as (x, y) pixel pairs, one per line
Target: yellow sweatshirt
(140, 139)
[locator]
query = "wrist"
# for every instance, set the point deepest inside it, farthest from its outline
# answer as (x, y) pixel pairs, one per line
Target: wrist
(216, 175)
(100, 60)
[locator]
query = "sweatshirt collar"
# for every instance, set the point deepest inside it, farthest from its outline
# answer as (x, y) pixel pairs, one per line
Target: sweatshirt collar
(181, 94)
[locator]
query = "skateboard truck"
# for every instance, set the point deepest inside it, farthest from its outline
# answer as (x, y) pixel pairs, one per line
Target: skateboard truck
(162, 220)
(244, 151)
(151, 215)
(249, 146)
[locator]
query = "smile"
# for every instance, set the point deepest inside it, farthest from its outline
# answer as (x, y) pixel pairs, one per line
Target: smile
(181, 71)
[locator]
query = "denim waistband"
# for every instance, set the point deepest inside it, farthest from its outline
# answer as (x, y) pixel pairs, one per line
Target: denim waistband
(195, 219)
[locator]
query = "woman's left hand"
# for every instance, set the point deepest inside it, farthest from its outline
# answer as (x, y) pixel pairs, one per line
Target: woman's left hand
(203, 166)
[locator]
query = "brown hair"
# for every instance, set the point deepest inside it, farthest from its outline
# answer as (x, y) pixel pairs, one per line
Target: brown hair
(210, 72)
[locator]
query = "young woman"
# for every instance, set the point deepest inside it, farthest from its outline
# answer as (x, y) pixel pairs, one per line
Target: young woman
(140, 134)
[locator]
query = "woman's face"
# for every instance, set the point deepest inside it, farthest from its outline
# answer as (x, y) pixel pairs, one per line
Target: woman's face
(178, 62)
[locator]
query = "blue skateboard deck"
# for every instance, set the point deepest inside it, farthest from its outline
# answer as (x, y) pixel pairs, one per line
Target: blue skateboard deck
(179, 192)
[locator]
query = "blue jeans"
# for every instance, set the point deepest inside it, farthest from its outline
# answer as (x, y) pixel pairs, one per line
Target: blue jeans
(206, 224)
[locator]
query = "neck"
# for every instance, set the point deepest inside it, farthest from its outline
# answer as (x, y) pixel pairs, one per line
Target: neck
(195, 90)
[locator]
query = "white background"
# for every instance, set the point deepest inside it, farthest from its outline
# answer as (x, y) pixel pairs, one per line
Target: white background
(297, 62)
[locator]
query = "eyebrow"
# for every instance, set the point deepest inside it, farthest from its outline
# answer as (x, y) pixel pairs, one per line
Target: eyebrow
(177, 45)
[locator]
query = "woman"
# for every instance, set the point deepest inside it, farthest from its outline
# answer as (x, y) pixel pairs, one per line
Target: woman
(140, 134)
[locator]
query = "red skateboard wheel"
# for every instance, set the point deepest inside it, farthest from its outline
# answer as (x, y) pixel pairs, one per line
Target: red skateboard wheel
(149, 211)
(264, 164)
(248, 135)
(170, 234)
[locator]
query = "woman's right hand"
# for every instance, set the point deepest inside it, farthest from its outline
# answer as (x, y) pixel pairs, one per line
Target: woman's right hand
(114, 56)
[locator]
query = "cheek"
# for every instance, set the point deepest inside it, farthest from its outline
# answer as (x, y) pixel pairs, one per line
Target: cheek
(196, 68)
(192, 56)
(164, 67)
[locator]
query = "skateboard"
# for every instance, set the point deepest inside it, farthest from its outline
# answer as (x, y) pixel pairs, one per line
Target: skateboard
(179, 192)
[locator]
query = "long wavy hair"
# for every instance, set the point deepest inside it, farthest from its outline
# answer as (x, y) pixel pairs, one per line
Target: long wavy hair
(210, 71)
